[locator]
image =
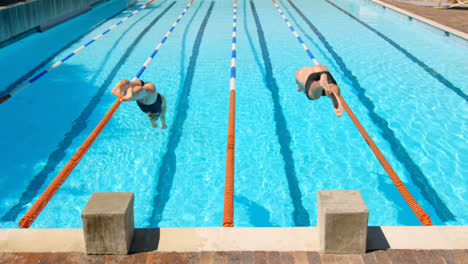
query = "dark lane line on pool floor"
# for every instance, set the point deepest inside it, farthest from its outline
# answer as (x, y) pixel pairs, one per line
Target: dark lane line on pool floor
(399, 151)
(46, 61)
(168, 162)
(79, 125)
(259, 215)
(249, 38)
(183, 46)
(410, 56)
(300, 214)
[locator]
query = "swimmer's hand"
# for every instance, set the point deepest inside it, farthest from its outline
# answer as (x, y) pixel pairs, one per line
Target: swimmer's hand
(333, 92)
(117, 91)
(123, 87)
(128, 95)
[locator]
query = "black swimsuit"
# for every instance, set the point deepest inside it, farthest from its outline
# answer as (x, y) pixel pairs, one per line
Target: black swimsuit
(154, 108)
(316, 77)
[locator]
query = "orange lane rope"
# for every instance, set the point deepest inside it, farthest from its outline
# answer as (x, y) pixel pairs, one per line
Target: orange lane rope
(417, 209)
(228, 212)
(49, 192)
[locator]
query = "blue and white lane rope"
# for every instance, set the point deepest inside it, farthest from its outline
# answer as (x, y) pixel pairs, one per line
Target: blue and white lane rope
(56, 64)
(233, 57)
(140, 72)
(296, 35)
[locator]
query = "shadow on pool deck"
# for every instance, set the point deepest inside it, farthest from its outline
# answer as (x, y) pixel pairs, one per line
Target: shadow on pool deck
(145, 240)
(148, 239)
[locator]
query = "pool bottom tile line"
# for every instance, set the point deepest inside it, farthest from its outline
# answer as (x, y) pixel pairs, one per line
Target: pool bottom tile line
(168, 164)
(300, 214)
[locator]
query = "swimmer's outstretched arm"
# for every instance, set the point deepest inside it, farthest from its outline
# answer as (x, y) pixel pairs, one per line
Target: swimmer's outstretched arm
(121, 87)
(133, 90)
(333, 92)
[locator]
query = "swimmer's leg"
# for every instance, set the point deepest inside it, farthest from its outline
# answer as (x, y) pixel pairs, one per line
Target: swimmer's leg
(153, 122)
(163, 112)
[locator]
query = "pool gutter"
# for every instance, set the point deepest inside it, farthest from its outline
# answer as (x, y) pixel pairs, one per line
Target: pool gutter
(236, 239)
(439, 28)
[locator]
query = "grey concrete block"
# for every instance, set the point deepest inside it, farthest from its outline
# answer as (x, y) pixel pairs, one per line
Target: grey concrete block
(108, 223)
(342, 222)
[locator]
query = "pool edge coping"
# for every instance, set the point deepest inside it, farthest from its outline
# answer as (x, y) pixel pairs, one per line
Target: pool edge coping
(446, 30)
(237, 239)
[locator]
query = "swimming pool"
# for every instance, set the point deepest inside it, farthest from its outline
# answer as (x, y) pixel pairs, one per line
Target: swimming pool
(406, 84)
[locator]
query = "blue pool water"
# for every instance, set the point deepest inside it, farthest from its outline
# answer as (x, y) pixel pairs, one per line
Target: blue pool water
(405, 83)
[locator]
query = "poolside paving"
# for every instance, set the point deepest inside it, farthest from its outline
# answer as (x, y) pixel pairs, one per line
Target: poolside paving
(454, 18)
(379, 256)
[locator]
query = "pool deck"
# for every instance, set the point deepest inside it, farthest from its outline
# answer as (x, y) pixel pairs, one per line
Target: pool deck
(453, 18)
(379, 256)
(385, 244)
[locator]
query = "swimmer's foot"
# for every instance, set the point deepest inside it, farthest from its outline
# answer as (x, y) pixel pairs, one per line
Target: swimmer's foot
(332, 91)
(154, 125)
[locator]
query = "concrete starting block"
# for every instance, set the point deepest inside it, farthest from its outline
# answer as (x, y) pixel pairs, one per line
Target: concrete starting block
(342, 222)
(108, 223)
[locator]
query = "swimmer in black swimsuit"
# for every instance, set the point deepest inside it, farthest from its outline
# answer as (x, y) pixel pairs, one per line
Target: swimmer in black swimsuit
(147, 98)
(316, 82)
